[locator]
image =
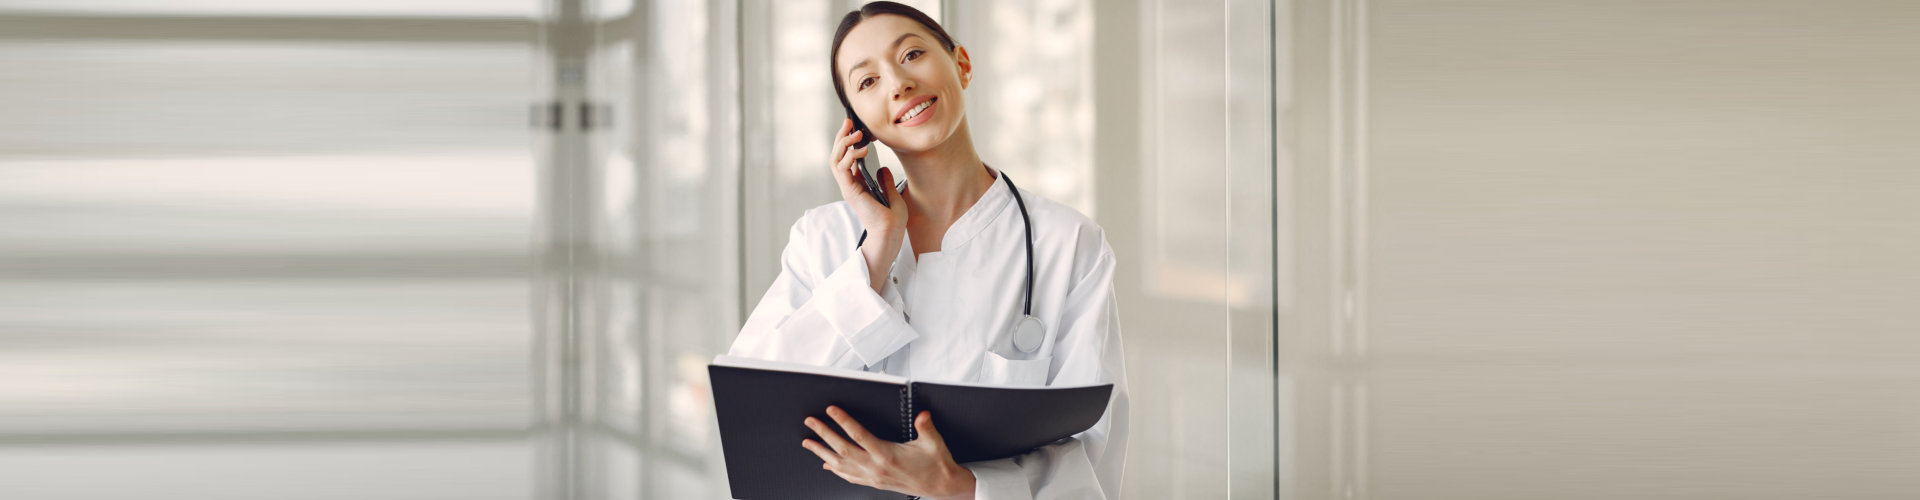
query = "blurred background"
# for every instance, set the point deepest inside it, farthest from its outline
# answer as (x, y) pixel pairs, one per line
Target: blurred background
(1370, 249)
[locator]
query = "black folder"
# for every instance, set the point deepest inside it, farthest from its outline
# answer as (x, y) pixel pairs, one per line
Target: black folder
(761, 406)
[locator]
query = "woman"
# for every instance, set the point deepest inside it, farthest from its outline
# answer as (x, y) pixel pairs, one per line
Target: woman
(936, 286)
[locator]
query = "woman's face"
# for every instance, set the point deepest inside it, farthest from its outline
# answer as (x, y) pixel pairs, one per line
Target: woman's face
(890, 66)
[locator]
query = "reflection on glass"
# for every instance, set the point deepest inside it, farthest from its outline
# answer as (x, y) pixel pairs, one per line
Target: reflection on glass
(656, 300)
(1030, 106)
(318, 249)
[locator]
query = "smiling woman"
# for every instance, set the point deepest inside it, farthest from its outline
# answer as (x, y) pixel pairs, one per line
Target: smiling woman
(948, 248)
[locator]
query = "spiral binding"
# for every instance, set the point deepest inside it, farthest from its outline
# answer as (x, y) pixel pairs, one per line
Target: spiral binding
(906, 418)
(906, 413)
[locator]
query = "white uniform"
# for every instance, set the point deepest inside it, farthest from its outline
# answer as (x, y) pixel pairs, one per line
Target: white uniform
(950, 317)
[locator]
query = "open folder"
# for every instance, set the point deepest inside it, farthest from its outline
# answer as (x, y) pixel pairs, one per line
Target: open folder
(762, 404)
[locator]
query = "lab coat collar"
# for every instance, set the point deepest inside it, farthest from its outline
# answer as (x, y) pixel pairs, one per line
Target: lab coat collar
(991, 206)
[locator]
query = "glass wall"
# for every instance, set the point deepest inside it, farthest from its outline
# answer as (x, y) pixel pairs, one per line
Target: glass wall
(641, 200)
(264, 251)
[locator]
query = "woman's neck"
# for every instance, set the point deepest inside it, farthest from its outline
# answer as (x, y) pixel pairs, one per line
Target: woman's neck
(945, 181)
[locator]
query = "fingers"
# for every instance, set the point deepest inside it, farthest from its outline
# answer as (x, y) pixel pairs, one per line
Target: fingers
(844, 172)
(827, 457)
(839, 444)
(846, 127)
(853, 186)
(843, 162)
(846, 137)
(854, 429)
(840, 145)
(845, 165)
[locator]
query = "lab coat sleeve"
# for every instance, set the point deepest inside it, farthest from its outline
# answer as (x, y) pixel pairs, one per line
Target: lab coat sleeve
(821, 315)
(1089, 464)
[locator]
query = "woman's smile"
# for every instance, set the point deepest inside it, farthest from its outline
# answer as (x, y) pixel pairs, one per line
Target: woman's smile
(918, 113)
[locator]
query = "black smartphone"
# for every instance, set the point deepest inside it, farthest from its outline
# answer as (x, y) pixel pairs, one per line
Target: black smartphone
(869, 166)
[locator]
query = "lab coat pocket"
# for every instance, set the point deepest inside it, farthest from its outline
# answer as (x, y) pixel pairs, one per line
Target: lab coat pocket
(997, 369)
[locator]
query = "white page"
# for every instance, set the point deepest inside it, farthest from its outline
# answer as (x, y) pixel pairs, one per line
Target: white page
(740, 362)
(736, 361)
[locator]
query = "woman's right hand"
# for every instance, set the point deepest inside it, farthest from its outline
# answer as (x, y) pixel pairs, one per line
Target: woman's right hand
(885, 224)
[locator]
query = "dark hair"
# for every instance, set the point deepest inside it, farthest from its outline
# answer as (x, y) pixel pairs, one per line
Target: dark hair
(854, 18)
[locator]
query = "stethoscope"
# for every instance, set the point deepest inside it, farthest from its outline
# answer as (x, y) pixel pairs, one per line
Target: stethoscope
(1029, 333)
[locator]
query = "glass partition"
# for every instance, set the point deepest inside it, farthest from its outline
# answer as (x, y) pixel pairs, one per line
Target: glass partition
(240, 263)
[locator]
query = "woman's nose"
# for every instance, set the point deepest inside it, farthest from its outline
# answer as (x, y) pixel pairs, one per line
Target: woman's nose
(905, 85)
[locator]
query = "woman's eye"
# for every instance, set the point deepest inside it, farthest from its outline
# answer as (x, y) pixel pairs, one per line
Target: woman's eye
(864, 82)
(913, 54)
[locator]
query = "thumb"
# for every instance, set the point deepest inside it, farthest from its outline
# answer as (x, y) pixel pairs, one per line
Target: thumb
(886, 184)
(924, 425)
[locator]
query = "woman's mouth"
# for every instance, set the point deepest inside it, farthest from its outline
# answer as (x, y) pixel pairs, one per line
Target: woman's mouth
(918, 114)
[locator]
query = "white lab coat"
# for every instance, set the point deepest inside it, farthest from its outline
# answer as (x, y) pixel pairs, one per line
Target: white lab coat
(939, 318)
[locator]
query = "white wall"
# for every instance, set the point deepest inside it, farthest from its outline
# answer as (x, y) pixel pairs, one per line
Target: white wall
(1606, 250)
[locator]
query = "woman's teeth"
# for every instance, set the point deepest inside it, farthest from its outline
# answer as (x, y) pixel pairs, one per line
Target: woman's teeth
(916, 110)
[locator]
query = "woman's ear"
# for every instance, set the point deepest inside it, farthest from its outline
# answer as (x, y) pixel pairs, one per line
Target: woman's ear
(966, 65)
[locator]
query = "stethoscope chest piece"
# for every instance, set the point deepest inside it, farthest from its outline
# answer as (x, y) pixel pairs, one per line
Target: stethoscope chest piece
(1028, 335)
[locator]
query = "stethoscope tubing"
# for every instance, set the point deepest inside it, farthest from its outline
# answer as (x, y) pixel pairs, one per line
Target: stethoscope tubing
(1026, 307)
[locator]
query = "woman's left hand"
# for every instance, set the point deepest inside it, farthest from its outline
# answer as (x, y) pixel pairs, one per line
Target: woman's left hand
(922, 467)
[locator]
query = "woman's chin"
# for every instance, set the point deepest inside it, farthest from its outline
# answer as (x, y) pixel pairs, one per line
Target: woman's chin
(915, 147)
(923, 137)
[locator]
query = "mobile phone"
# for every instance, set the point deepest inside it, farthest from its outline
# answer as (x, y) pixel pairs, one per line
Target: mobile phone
(869, 166)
